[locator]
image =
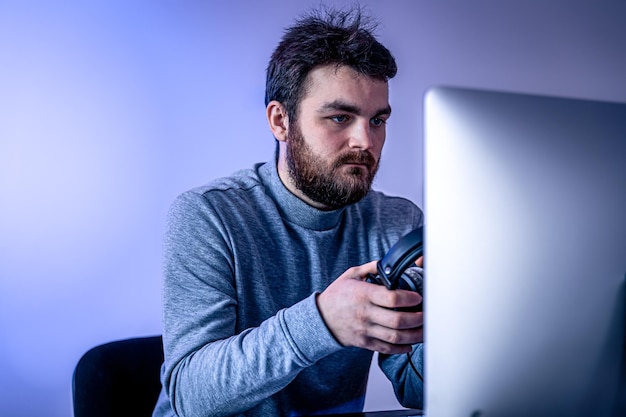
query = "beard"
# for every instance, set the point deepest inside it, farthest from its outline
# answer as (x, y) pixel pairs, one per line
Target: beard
(329, 182)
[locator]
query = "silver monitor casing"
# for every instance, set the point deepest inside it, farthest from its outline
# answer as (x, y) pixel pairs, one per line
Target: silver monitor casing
(525, 250)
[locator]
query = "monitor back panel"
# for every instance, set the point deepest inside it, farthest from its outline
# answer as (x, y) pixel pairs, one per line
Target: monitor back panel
(525, 248)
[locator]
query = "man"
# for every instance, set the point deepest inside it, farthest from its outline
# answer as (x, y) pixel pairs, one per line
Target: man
(266, 308)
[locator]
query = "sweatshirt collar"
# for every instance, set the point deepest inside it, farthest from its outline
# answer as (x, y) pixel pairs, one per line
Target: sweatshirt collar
(292, 208)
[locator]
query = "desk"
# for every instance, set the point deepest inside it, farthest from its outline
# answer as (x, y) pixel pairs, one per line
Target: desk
(392, 413)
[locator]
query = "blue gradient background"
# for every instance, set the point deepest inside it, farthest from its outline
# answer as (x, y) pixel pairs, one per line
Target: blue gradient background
(109, 109)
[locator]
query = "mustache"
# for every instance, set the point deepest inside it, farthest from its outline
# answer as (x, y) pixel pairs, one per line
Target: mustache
(359, 157)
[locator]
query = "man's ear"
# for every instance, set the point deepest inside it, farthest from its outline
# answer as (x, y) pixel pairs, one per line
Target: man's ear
(278, 120)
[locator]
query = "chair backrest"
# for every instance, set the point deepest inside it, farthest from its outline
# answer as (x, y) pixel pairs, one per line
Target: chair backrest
(120, 378)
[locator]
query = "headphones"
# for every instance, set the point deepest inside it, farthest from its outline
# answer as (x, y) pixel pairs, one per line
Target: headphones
(402, 255)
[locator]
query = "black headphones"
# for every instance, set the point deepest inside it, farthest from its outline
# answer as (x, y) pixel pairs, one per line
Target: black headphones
(401, 256)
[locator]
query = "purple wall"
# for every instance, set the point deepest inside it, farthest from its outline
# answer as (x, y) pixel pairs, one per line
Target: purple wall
(109, 110)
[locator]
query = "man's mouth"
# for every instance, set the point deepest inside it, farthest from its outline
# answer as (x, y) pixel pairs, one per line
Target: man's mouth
(360, 160)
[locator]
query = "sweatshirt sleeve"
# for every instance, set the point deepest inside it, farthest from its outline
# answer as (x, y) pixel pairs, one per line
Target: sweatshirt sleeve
(210, 370)
(407, 385)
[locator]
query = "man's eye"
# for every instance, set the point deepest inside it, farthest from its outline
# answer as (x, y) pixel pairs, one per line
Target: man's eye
(340, 119)
(378, 121)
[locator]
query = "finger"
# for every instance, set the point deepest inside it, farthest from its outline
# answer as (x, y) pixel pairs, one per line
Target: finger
(420, 262)
(397, 337)
(381, 296)
(390, 349)
(383, 346)
(396, 320)
(360, 272)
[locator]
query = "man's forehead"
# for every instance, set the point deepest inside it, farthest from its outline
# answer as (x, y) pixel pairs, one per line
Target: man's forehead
(342, 88)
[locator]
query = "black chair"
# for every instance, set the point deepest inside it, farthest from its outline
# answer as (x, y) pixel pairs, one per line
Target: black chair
(120, 378)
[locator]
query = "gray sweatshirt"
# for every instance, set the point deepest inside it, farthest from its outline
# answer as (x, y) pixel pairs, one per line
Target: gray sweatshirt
(243, 261)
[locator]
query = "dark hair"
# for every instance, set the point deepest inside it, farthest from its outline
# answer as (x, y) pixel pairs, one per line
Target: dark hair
(322, 37)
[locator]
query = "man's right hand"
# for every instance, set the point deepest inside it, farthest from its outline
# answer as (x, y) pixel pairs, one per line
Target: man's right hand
(361, 314)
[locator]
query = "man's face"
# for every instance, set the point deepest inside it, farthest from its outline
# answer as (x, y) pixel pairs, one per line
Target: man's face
(333, 150)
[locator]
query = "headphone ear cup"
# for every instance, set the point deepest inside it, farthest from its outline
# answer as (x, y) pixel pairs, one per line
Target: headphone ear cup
(412, 280)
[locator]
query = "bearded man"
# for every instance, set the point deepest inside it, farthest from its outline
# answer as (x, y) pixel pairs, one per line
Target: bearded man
(266, 307)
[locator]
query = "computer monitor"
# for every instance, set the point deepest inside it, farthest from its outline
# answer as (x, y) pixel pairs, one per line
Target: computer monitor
(525, 254)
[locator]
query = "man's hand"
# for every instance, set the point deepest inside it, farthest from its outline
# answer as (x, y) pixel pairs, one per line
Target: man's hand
(361, 314)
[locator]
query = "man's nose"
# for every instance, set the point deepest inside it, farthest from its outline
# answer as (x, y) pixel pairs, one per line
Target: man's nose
(361, 136)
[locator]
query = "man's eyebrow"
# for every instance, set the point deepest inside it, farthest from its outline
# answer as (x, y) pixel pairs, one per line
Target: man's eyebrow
(339, 105)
